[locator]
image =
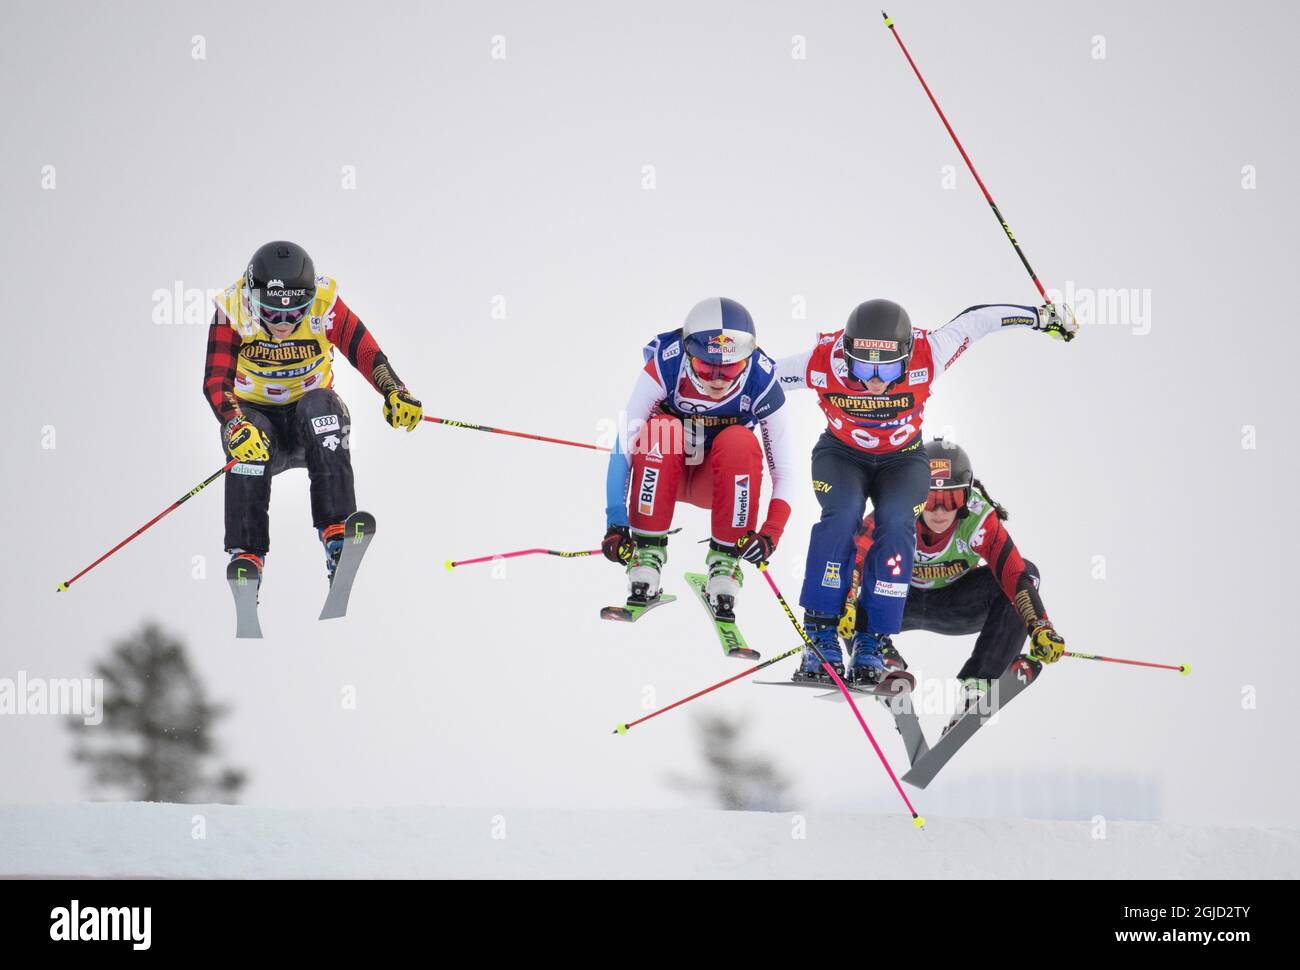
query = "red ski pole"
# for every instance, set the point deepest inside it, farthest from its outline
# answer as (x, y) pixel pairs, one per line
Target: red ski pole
(623, 728)
(993, 205)
(180, 501)
(453, 563)
(1181, 668)
(514, 434)
(917, 820)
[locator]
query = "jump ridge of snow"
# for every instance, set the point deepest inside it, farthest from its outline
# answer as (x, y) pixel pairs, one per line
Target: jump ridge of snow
(140, 840)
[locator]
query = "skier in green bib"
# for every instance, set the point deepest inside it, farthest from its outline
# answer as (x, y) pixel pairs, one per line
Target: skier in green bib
(968, 577)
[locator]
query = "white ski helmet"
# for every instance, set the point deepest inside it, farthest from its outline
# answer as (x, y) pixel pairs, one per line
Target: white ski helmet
(719, 339)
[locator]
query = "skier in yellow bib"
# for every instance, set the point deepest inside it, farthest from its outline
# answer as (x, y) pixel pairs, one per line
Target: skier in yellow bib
(269, 380)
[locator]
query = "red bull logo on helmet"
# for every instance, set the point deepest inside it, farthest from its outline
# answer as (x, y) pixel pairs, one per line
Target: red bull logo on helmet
(723, 344)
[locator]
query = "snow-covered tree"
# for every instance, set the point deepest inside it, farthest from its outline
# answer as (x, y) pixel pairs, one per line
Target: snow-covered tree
(154, 743)
(736, 781)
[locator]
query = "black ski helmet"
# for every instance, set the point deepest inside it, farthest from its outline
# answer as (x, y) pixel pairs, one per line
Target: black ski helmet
(878, 332)
(281, 283)
(950, 468)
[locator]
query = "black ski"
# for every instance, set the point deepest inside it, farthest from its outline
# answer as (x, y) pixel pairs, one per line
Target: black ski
(1018, 676)
(245, 578)
(905, 721)
(909, 727)
(357, 533)
(895, 684)
(894, 692)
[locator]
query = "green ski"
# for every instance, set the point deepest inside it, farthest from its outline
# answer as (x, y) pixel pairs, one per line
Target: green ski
(632, 611)
(733, 644)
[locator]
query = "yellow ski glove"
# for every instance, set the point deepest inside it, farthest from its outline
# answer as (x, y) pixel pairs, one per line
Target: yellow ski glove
(245, 442)
(402, 411)
(1045, 643)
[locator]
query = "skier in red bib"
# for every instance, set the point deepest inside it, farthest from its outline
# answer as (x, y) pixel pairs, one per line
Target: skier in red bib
(872, 380)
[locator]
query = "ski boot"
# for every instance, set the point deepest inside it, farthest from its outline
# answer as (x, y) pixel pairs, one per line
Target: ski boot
(244, 574)
(331, 538)
(868, 665)
(894, 662)
(1026, 668)
(725, 580)
(251, 562)
(645, 567)
(973, 692)
(822, 632)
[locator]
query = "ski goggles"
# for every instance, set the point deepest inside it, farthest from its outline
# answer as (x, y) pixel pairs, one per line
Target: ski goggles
(274, 317)
(888, 373)
(272, 304)
(945, 498)
(708, 371)
(279, 315)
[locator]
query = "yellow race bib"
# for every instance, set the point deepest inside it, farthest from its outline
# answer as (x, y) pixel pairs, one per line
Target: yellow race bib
(270, 371)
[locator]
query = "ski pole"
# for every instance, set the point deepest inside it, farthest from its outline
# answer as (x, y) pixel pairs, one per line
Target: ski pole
(188, 495)
(917, 820)
(515, 434)
(623, 728)
(453, 563)
(889, 22)
(1181, 668)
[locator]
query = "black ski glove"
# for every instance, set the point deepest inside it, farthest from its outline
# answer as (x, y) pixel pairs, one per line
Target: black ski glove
(755, 547)
(618, 545)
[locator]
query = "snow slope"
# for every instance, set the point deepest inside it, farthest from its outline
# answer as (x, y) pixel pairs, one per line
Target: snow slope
(156, 840)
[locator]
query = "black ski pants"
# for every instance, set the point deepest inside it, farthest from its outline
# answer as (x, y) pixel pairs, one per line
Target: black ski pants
(973, 604)
(310, 433)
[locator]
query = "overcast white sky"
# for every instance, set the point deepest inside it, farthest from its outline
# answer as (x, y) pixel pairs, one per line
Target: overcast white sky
(781, 182)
